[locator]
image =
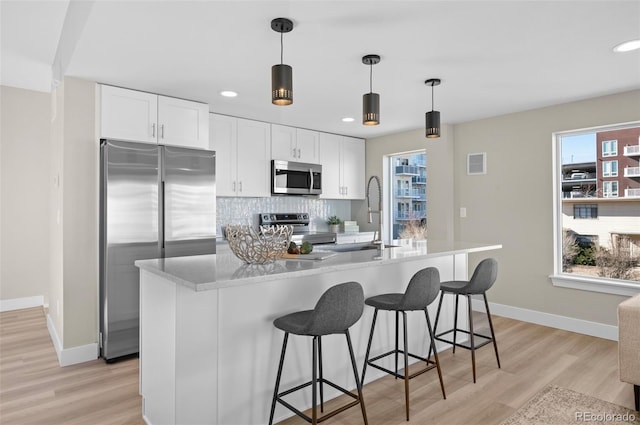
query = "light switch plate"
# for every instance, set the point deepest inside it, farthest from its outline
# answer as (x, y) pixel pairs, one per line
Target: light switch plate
(463, 212)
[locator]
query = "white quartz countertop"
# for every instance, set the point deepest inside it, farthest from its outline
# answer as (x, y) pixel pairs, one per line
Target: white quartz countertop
(224, 269)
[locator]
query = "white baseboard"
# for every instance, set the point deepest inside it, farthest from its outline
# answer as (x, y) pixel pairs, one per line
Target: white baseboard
(580, 326)
(20, 303)
(73, 355)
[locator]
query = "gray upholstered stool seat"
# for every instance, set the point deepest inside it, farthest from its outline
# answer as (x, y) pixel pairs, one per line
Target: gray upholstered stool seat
(385, 301)
(335, 312)
(422, 290)
(484, 276)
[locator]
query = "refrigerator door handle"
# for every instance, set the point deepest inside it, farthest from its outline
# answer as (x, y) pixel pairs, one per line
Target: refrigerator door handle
(162, 214)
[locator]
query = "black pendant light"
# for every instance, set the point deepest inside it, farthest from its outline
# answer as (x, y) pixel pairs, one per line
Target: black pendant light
(281, 75)
(371, 100)
(432, 118)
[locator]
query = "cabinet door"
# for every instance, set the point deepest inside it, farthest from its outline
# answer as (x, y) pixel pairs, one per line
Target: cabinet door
(223, 134)
(254, 165)
(330, 145)
(183, 123)
(128, 115)
(353, 167)
(283, 143)
(307, 142)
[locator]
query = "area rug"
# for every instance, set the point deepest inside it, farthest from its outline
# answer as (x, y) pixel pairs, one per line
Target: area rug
(558, 406)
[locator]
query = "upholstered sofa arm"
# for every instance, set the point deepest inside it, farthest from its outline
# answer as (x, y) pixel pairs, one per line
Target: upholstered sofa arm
(629, 340)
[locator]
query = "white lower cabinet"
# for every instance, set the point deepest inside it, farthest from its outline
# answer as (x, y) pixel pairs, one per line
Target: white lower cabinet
(343, 167)
(242, 156)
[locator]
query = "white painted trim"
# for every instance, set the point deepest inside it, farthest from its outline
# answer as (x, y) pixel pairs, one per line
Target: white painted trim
(20, 303)
(601, 285)
(73, 355)
(580, 326)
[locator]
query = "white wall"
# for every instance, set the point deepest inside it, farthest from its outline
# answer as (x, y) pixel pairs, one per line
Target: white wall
(513, 203)
(24, 206)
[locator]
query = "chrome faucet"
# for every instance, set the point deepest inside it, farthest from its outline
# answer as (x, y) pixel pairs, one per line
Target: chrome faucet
(377, 237)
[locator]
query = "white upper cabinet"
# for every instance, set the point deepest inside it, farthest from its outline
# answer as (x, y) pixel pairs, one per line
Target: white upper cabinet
(343, 167)
(148, 118)
(183, 123)
(353, 167)
(242, 156)
(128, 115)
(294, 144)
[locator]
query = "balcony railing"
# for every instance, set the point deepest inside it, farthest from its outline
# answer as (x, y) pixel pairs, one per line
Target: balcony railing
(576, 195)
(578, 176)
(633, 150)
(410, 193)
(632, 193)
(409, 215)
(407, 169)
(632, 172)
(419, 179)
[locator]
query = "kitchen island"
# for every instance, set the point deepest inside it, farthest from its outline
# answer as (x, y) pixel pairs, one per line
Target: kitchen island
(209, 351)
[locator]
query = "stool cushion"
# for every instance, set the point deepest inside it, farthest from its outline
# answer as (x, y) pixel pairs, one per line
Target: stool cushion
(385, 301)
(484, 276)
(455, 286)
(337, 309)
(423, 288)
(295, 323)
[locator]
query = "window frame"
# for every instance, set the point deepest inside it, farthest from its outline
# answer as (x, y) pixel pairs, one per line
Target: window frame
(613, 152)
(585, 207)
(611, 172)
(558, 277)
(610, 193)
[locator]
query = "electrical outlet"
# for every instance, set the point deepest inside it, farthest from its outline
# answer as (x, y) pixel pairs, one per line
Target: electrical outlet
(463, 212)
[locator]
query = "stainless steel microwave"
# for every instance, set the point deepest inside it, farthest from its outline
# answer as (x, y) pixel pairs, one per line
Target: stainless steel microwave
(295, 178)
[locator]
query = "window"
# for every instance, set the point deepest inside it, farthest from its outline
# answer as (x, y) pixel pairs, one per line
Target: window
(610, 169)
(610, 189)
(585, 211)
(610, 148)
(408, 173)
(596, 232)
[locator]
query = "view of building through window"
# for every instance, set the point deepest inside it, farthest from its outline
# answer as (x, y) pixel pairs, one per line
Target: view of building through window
(409, 195)
(600, 190)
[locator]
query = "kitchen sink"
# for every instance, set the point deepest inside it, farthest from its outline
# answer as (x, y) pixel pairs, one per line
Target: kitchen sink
(350, 247)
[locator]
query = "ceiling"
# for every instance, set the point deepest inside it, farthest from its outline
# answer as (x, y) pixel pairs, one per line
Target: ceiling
(493, 57)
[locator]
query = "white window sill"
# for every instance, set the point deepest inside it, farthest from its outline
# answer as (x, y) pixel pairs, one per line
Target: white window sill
(606, 286)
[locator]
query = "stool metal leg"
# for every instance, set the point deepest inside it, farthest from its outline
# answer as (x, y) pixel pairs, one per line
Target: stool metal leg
(493, 335)
(455, 324)
(473, 347)
(432, 346)
(355, 375)
(366, 356)
(320, 372)
(397, 333)
(435, 326)
(314, 381)
(278, 376)
(406, 364)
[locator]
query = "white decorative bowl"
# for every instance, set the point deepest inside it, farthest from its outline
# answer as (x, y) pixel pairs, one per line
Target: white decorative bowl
(264, 245)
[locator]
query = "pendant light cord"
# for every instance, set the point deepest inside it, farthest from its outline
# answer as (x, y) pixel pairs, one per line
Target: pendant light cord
(370, 78)
(281, 48)
(432, 97)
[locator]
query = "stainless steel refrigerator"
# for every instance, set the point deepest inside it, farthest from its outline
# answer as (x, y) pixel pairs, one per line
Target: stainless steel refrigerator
(155, 201)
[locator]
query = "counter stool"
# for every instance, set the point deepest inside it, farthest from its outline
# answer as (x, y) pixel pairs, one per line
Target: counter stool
(483, 278)
(337, 309)
(422, 290)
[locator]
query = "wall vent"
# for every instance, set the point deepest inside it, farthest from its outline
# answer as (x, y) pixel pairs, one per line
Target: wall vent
(476, 163)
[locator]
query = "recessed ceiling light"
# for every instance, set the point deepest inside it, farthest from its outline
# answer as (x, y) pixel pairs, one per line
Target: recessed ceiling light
(228, 93)
(348, 119)
(627, 46)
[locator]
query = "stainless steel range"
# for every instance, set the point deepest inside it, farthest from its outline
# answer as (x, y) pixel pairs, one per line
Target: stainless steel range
(300, 223)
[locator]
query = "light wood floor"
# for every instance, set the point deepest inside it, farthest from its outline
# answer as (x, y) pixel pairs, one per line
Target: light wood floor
(35, 390)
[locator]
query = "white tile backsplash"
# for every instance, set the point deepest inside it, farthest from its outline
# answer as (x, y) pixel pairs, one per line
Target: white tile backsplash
(246, 210)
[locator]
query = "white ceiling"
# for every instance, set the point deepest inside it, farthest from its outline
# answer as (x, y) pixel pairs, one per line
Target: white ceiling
(494, 57)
